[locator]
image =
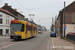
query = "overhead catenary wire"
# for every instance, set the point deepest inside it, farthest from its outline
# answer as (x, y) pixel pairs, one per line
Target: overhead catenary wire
(58, 2)
(22, 5)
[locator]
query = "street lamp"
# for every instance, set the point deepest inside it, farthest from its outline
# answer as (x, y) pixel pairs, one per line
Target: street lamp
(64, 18)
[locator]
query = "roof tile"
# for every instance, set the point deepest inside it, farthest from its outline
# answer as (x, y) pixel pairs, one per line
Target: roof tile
(6, 11)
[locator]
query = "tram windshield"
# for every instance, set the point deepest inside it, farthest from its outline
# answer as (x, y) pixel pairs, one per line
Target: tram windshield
(17, 27)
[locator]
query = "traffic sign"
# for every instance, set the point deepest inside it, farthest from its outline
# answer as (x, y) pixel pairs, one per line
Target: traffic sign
(65, 25)
(57, 29)
(64, 28)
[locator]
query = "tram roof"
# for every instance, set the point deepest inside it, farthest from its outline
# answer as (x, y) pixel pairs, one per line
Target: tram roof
(29, 23)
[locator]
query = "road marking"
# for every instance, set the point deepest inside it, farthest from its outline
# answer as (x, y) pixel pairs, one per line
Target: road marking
(53, 43)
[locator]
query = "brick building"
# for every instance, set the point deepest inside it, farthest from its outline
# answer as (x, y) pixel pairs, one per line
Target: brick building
(13, 11)
(69, 19)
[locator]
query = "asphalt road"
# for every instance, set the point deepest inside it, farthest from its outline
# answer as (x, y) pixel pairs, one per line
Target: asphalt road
(4, 38)
(37, 43)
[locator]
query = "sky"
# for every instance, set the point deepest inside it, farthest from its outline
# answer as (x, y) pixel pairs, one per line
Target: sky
(43, 10)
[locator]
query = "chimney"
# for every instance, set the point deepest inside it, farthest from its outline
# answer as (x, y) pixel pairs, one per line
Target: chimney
(6, 4)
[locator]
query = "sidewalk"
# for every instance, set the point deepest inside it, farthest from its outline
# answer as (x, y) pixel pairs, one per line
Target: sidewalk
(4, 36)
(61, 44)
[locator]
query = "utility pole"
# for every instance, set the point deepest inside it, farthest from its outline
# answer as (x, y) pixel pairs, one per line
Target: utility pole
(52, 24)
(64, 18)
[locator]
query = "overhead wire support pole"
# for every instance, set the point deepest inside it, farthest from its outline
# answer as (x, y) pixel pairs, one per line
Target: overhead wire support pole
(64, 19)
(22, 5)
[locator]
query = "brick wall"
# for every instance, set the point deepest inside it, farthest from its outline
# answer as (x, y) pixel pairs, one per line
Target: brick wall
(71, 7)
(56, 27)
(68, 17)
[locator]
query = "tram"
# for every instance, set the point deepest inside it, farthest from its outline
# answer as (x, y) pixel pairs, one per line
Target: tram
(20, 29)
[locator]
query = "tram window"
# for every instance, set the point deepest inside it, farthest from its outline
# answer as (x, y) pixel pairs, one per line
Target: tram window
(31, 28)
(36, 29)
(22, 29)
(17, 27)
(28, 27)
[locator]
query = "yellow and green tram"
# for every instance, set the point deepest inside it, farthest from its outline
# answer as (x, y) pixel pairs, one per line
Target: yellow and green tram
(20, 29)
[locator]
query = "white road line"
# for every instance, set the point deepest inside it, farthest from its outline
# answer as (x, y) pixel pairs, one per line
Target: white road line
(53, 43)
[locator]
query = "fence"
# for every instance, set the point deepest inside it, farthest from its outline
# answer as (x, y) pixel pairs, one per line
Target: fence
(71, 37)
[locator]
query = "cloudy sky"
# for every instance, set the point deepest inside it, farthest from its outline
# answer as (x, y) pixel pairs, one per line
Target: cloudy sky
(44, 10)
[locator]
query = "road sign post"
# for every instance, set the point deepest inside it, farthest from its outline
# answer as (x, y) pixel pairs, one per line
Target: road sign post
(64, 28)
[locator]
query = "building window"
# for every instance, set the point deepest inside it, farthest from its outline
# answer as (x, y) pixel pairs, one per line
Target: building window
(1, 31)
(6, 21)
(8, 16)
(0, 21)
(0, 15)
(7, 31)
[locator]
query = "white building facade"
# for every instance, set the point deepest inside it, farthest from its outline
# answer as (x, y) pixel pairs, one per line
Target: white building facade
(69, 28)
(5, 19)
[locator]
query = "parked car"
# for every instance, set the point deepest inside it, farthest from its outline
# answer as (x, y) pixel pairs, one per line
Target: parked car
(71, 33)
(52, 34)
